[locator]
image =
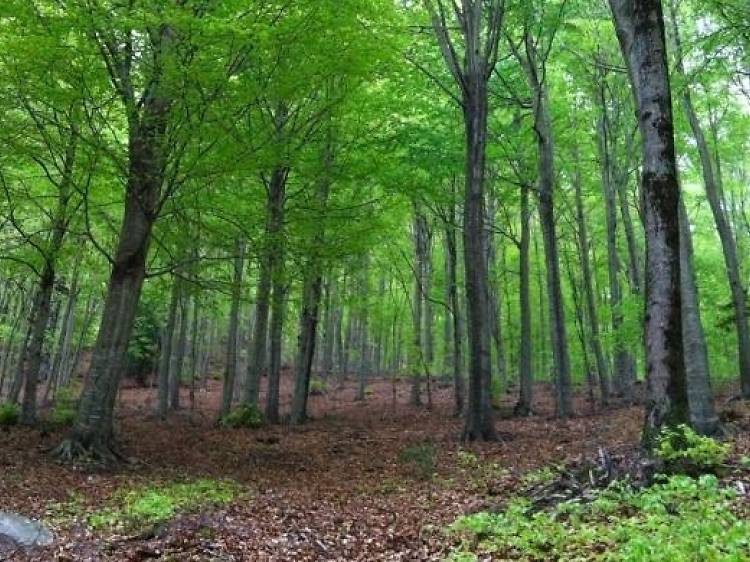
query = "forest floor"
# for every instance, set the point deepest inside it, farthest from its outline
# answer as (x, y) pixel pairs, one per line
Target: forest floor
(338, 488)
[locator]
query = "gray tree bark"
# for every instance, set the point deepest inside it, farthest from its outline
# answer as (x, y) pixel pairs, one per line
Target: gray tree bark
(640, 30)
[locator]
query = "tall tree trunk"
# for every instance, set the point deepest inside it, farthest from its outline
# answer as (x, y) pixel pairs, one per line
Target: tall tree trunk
(451, 246)
(494, 300)
(329, 324)
(623, 361)
(165, 360)
(640, 30)
(276, 202)
(418, 356)
(364, 333)
(525, 373)
(230, 372)
(545, 147)
(175, 373)
(602, 365)
(697, 371)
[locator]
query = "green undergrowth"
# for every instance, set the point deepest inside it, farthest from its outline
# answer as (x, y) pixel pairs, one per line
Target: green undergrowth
(64, 411)
(244, 416)
(142, 507)
(683, 517)
(9, 414)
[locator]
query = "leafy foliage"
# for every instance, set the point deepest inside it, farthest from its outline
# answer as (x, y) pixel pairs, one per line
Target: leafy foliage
(318, 387)
(244, 415)
(66, 405)
(148, 506)
(9, 414)
(683, 446)
(679, 519)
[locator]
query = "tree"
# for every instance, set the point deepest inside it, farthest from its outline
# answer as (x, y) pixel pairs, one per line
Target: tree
(480, 24)
(640, 30)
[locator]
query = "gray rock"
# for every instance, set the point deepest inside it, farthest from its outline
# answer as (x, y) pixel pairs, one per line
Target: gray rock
(23, 531)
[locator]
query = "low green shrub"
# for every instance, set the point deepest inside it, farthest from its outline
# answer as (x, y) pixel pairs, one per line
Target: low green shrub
(9, 414)
(682, 448)
(680, 519)
(148, 506)
(318, 387)
(244, 415)
(66, 405)
(422, 458)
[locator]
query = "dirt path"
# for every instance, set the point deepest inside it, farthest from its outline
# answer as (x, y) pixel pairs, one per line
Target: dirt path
(335, 489)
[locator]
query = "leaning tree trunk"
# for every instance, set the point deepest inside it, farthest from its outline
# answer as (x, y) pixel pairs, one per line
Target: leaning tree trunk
(40, 312)
(640, 30)
(92, 433)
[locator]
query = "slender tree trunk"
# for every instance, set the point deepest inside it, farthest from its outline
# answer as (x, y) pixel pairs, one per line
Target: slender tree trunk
(230, 372)
(165, 361)
(525, 373)
(545, 147)
(602, 365)
(175, 373)
(494, 301)
(306, 346)
(420, 265)
(455, 311)
(623, 361)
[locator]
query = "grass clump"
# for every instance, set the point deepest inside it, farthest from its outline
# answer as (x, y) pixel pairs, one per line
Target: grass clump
(244, 415)
(678, 519)
(9, 414)
(145, 507)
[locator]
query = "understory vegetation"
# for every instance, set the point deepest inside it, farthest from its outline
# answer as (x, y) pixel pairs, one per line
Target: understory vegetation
(683, 514)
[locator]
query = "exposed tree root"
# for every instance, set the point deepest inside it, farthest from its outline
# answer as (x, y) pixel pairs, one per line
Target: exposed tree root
(75, 451)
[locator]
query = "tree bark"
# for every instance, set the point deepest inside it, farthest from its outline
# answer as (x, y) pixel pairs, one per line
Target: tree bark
(602, 365)
(545, 147)
(165, 361)
(640, 30)
(230, 372)
(525, 372)
(697, 371)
